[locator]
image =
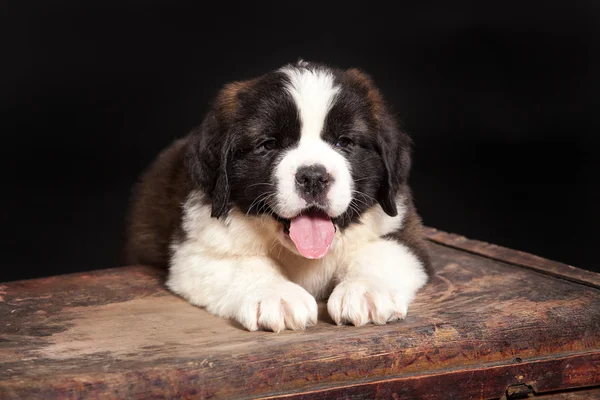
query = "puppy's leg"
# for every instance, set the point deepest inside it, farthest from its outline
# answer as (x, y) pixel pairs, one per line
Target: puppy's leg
(250, 289)
(377, 285)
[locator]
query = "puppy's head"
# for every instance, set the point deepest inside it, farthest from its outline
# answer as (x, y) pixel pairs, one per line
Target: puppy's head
(310, 146)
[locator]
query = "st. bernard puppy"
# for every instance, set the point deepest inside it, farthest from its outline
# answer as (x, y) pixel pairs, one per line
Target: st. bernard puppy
(293, 189)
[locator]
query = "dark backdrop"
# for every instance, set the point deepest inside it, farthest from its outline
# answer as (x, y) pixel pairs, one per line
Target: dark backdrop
(501, 99)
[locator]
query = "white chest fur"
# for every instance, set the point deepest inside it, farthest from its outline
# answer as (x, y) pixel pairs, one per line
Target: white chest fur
(243, 267)
(239, 235)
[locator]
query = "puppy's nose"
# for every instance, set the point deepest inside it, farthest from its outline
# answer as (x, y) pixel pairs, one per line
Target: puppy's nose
(312, 181)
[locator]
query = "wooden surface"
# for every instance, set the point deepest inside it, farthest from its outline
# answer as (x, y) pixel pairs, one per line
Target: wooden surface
(514, 257)
(578, 394)
(480, 326)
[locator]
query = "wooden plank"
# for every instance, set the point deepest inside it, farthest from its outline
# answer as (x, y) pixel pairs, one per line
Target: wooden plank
(514, 257)
(479, 326)
(582, 394)
(475, 383)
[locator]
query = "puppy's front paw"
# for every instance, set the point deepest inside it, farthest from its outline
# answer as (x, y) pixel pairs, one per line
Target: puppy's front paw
(361, 301)
(282, 306)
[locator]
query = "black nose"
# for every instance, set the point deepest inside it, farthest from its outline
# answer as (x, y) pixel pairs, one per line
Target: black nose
(312, 181)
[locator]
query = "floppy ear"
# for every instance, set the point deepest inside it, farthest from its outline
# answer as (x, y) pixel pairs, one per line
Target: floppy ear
(221, 190)
(393, 146)
(207, 159)
(212, 147)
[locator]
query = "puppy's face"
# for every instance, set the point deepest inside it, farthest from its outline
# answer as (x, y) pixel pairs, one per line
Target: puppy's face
(310, 146)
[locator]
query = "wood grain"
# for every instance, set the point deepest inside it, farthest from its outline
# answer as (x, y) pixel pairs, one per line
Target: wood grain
(582, 394)
(478, 327)
(515, 257)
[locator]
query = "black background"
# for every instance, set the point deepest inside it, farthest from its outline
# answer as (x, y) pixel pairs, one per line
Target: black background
(501, 99)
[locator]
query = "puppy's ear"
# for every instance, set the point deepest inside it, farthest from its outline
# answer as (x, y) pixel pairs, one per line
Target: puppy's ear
(221, 190)
(392, 144)
(394, 149)
(212, 147)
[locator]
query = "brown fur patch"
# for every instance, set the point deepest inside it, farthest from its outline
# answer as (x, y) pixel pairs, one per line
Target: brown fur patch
(154, 218)
(373, 95)
(227, 99)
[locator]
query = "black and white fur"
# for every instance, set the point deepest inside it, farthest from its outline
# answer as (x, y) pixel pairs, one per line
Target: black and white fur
(215, 205)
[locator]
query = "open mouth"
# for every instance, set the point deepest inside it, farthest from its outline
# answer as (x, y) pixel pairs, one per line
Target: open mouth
(311, 231)
(286, 225)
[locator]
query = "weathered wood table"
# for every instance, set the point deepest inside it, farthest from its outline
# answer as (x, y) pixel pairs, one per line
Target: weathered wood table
(493, 322)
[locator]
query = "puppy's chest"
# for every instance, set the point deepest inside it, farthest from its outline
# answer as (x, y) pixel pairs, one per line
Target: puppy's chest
(316, 276)
(319, 277)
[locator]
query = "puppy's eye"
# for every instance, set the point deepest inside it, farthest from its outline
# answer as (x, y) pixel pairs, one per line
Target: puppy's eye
(269, 144)
(343, 142)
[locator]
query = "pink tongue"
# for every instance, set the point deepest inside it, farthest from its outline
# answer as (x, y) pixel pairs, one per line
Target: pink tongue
(312, 233)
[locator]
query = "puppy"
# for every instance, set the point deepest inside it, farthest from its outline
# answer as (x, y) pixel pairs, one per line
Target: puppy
(293, 189)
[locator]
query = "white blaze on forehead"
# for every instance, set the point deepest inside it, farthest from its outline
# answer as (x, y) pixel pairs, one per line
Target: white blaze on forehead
(314, 93)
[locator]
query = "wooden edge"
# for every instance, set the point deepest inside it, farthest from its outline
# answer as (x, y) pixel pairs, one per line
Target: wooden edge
(482, 382)
(514, 257)
(575, 394)
(542, 376)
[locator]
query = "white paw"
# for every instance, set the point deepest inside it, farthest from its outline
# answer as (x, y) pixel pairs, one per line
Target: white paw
(362, 301)
(281, 306)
